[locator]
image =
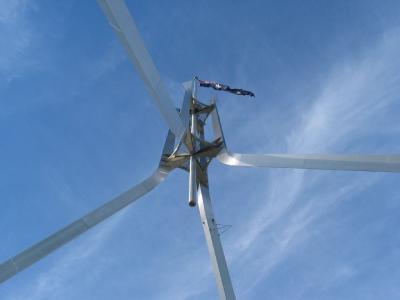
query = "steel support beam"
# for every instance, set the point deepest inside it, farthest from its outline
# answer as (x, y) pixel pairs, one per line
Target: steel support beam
(215, 250)
(192, 162)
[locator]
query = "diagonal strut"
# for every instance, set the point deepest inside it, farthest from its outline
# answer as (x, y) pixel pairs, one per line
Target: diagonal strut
(371, 163)
(45, 247)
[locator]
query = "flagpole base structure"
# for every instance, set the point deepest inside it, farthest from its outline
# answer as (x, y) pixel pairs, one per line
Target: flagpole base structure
(215, 249)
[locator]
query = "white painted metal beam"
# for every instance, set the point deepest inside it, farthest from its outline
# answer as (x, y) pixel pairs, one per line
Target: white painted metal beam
(192, 161)
(371, 163)
(124, 26)
(38, 251)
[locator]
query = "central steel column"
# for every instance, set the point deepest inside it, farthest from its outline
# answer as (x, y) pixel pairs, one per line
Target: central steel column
(215, 250)
(192, 162)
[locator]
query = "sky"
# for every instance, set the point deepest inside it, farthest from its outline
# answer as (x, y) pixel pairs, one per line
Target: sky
(78, 127)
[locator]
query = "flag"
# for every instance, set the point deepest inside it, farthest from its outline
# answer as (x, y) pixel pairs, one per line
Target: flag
(222, 87)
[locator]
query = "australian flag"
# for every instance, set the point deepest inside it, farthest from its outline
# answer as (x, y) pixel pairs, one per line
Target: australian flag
(222, 87)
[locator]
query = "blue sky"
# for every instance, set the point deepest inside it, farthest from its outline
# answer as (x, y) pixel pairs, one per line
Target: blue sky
(78, 127)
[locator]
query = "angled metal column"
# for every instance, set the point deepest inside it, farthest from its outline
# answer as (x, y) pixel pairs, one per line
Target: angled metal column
(215, 250)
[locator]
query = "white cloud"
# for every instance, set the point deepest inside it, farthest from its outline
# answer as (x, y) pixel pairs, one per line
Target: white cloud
(355, 95)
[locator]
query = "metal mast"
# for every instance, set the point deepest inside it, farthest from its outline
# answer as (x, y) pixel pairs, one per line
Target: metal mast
(200, 164)
(193, 135)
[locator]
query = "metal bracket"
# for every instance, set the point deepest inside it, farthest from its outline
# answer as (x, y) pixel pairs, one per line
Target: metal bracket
(190, 145)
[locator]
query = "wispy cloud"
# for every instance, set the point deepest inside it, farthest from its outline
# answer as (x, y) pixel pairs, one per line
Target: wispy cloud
(355, 94)
(17, 36)
(51, 283)
(288, 211)
(110, 59)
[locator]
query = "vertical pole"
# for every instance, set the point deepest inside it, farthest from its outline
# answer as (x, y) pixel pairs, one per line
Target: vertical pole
(215, 250)
(192, 161)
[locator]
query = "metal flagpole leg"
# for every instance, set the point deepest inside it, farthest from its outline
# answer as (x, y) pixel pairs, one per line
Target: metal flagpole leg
(215, 250)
